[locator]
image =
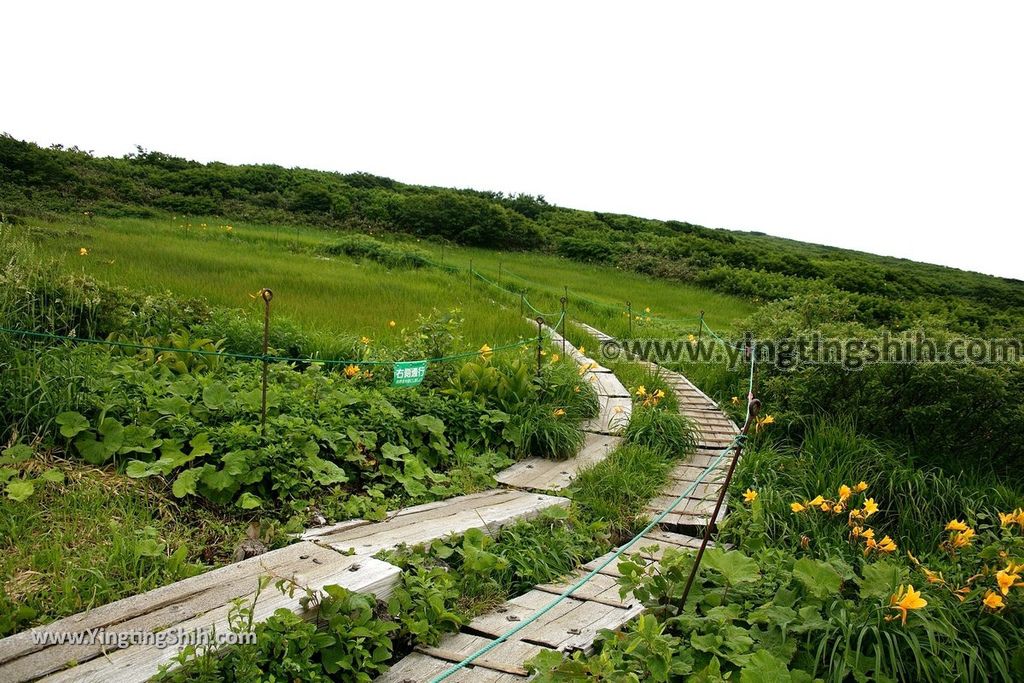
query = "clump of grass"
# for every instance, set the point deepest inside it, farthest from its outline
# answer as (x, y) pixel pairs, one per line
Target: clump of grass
(96, 538)
(666, 431)
(614, 490)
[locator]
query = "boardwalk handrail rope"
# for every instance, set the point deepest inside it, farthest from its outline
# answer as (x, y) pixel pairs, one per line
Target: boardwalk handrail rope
(594, 572)
(246, 356)
(526, 299)
(735, 445)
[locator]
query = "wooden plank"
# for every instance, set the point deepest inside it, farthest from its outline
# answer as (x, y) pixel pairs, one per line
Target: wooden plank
(488, 511)
(418, 667)
(606, 384)
(612, 418)
(497, 665)
(541, 474)
(200, 603)
(569, 625)
(601, 588)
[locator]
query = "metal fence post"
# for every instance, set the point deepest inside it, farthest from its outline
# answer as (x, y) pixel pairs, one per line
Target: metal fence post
(540, 342)
(629, 312)
(564, 300)
(267, 296)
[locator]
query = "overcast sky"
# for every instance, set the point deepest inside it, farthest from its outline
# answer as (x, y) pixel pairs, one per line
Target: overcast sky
(895, 128)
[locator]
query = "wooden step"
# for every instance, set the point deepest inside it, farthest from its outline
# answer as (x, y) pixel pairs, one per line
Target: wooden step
(487, 511)
(541, 474)
(201, 602)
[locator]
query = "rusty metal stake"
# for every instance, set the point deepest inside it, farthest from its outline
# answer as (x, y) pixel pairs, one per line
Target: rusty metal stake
(752, 409)
(267, 296)
(700, 328)
(564, 300)
(540, 342)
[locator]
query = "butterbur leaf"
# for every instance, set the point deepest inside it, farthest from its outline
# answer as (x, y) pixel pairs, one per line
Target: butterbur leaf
(200, 445)
(20, 489)
(881, 579)
(218, 480)
(216, 395)
(172, 405)
(15, 454)
(137, 469)
(52, 476)
(819, 578)
(185, 484)
(764, 667)
(72, 423)
(733, 565)
(248, 501)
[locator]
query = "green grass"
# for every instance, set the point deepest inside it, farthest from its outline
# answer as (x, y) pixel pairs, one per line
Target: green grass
(340, 295)
(96, 538)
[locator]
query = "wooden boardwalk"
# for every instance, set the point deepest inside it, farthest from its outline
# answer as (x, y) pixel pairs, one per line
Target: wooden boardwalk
(574, 623)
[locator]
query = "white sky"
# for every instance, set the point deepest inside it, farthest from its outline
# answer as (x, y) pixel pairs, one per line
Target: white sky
(895, 128)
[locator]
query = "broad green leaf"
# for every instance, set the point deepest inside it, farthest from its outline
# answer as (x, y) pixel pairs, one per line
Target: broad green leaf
(733, 565)
(149, 547)
(137, 469)
(393, 452)
(218, 480)
(764, 667)
(881, 579)
(15, 454)
(819, 578)
(185, 484)
(20, 489)
(248, 501)
(172, 405)
(200, 446)
(72, 423)
(52, 476)
(216, 395)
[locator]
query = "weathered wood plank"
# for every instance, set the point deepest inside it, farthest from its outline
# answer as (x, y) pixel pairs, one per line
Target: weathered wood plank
(200, 603)
(613, 416)
(541, 474)
(487, 511)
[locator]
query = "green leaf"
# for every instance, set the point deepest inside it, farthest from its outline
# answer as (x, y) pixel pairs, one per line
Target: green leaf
(216, 395)
(393, 452)
(218, 480)
(764, 667)
(53, 476)
(185, 484)
(72, 423)
(733, 565)
(20, 489)
(172, 405)
(15, 454)
(881, 579)
(248, 501)
(137, 469)
(819, 578)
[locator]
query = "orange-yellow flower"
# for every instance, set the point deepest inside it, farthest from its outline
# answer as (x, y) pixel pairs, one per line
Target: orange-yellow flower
(83, 252)
(906, 599)
(838, 508)
(993, 601)
(962, 539)
(735, 400)
(558, 412)
(391, 323)
(365, 340)
(933, 577)
(956, 525)
(870, 507)
(862, 486)
(750, 495)
(824, 507)
(690, 338)
(796, 507)
(887, 545)
(844, 492)
(1005, 580)
(818, 500)
(486, 351)
(641, 391)
(868, 533)
(1007, 518)
(351, 371)
(555, 358)
(582, 350)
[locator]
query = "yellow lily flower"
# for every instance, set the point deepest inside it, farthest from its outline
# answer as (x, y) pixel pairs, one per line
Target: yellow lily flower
(837, 508)
(647, 310)
(963, 539)
(906, 599)
(365, 340)
(83, 252)
(735, 400)
(860, 487)
(749, 496)
(555, 358)
(844, 492)
(1005, 580)
(796, 507)
(887, 545)
(391, 323)
(824, 507)
(870, 507)
(486, 351)
(993, 601)
(818, 500)
(351, 371)
(868, 533)
(558, 412)
(956, 525)
(641, 390)
(582, 350)
(1007, 518)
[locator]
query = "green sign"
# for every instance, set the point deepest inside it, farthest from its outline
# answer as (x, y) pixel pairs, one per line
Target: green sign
(410, 373)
